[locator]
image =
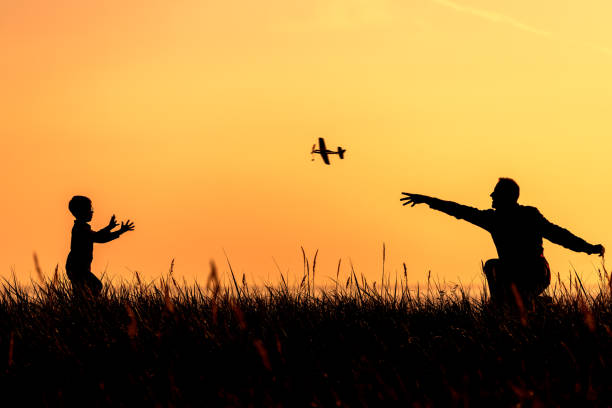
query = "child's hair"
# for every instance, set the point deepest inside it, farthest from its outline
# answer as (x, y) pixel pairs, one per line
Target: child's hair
(79, 205)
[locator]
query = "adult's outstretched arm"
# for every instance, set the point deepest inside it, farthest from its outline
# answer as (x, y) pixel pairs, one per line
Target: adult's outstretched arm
(563, 237)
(463, 212)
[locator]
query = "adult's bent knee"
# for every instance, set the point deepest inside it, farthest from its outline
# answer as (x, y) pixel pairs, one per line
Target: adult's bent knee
(490, 266)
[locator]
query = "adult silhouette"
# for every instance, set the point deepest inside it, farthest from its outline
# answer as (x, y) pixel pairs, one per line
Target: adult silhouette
(517, 232)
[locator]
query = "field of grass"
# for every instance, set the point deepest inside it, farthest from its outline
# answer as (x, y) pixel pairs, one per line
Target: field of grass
(170, 344)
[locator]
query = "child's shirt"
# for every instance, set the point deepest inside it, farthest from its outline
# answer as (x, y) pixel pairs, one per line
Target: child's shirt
(81, 244)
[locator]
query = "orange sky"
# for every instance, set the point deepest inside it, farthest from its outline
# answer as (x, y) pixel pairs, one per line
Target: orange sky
(195, 119)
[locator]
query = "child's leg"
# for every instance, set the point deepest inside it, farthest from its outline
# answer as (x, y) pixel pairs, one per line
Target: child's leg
(93, 283)
(83, 281)
(76, 278)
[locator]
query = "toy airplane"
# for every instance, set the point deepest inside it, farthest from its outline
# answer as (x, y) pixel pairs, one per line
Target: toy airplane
(322, 150)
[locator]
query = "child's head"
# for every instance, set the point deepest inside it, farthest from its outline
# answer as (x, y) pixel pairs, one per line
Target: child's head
(80, 207)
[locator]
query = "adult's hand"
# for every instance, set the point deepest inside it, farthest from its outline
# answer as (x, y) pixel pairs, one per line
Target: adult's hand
(414, 199)
(599, 250)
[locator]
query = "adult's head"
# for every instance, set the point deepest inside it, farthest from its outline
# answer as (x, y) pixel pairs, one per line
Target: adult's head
(505, 194)
(80, 207)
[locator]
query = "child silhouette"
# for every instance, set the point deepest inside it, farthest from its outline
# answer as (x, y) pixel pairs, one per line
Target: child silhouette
(78, 264)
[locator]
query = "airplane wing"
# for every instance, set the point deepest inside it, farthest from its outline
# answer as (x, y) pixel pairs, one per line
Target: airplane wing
(325, 157)
(323, 150)
(322, 144)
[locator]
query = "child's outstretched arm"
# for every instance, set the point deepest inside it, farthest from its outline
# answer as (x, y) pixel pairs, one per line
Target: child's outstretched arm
(126, 226)
(111, 224)
(106, 234)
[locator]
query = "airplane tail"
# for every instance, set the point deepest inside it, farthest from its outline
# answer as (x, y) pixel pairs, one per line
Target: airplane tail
(313, 148)
(341, 152)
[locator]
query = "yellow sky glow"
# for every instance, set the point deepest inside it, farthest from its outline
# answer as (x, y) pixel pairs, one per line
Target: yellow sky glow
(195, 119)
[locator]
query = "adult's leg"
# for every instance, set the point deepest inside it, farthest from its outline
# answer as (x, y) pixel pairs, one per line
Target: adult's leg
(496, 280)
(534, 278)
(504, 287)
(514, 284)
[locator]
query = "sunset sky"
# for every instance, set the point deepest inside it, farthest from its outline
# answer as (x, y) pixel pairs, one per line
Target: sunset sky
(195, 119)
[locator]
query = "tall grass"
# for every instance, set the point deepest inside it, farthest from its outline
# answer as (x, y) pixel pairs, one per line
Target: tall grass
(356, 343)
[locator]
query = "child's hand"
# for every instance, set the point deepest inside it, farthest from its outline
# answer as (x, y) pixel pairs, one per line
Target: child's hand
(113, 223)
(126, 226)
